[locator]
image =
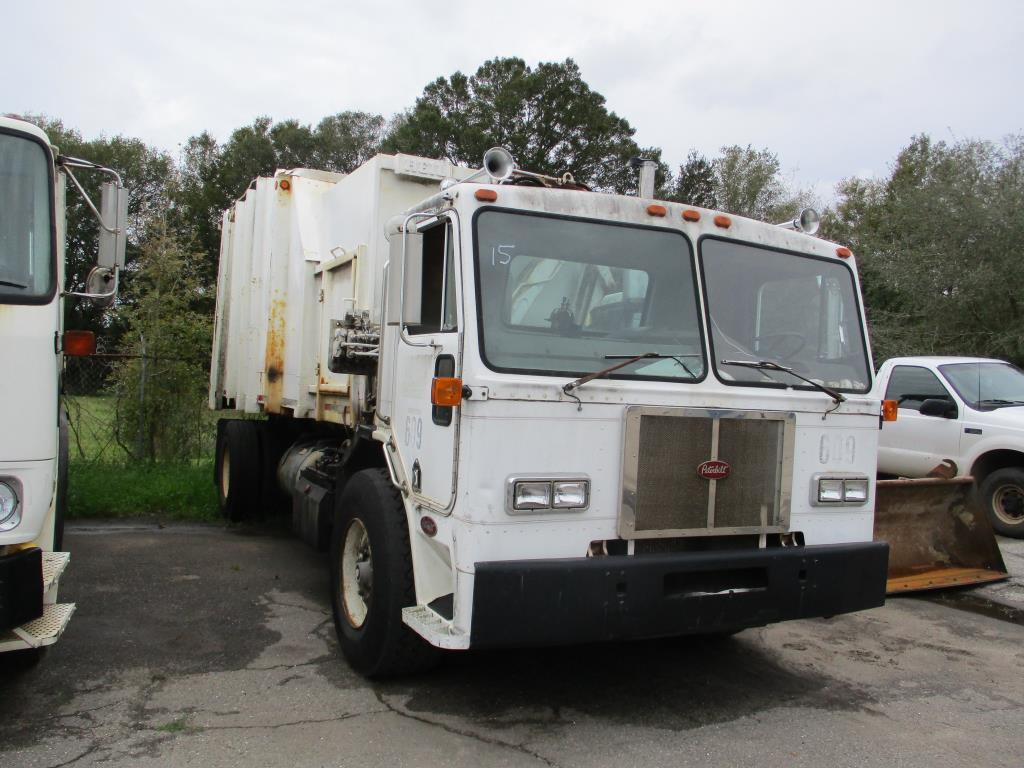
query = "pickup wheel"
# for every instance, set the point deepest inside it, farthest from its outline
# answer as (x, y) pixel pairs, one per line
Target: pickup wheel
(238, 469)
(372, 580)
(1002, 493)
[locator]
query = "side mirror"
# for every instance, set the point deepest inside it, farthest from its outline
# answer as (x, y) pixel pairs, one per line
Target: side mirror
(113, 225)
(937, 406)
(101, 286)
(405, 278)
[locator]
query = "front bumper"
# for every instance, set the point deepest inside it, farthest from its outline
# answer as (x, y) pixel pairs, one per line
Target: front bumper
(21, 588)
(576, 600)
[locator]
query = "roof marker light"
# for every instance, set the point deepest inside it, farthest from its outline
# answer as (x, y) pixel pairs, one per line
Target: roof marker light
(723, 221)
(843, 252)
(656, 210)
(691, 215)
(486, 195)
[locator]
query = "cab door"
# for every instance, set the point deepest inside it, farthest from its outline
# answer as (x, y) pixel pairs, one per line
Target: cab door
(915, 444)
(423, 342)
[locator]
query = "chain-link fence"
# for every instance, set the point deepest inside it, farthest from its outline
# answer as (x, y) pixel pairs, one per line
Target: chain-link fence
(110, 418)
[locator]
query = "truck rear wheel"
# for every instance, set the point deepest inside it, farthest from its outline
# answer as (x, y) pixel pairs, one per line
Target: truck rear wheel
(372, 580)
(238, 469)
(1002, 493)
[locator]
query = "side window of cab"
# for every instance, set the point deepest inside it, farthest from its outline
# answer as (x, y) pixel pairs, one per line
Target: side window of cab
(910, 385)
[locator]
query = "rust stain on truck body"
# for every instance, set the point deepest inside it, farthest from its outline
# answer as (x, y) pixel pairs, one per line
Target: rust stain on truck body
(274, 381)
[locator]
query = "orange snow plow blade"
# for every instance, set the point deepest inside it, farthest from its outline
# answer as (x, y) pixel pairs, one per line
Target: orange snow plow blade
(937, 537)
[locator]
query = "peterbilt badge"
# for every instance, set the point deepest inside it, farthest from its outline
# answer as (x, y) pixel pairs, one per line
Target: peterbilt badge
(714, 470)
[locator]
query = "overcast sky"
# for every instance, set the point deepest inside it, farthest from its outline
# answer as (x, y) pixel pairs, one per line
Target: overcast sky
(835, 89)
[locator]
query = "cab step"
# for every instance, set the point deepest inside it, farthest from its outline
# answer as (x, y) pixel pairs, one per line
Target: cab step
(434, 628)
(54, 564)
(45, 630)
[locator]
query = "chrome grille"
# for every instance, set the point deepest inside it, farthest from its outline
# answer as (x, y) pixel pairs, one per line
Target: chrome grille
(662, 494)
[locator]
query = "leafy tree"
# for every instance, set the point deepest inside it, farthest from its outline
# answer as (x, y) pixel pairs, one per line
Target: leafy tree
(161, 386)
(937, 246)
(213, 175)
(749, 182)
(547, 116)
(696, 183)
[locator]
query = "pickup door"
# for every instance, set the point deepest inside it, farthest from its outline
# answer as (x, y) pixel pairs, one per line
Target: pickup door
(914, 444)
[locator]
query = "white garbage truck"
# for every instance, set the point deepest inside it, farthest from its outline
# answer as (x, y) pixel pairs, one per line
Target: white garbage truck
(519, 412)
(34, 437)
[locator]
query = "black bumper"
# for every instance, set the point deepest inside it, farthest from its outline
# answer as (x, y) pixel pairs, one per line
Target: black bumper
(21, 588)
(555, 602)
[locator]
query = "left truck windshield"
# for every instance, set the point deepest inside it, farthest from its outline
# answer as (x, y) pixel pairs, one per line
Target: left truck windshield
(559, 295)
(26, 237)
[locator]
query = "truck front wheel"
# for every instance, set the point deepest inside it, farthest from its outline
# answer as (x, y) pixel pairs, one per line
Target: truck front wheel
(1002, 493)
(372, 580)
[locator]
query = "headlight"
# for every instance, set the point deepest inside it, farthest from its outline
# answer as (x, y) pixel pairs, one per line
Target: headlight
(839, 489)
(856, 490)
(830, 490)
(571, 494)
(9, 507)
(532, 495)
(561, 493)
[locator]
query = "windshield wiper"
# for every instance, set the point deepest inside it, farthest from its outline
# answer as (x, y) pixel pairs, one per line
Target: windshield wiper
(999, 402)
(626, 360)
(768, 365)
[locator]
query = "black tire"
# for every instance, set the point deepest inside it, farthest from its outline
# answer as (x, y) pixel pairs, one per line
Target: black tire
(376, 644)
(1002, 494)
(238, 468)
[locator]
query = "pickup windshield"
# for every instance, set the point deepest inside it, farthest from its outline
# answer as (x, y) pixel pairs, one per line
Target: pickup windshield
(559, 296)
(985, 386)
(795, 310)
(26, 258)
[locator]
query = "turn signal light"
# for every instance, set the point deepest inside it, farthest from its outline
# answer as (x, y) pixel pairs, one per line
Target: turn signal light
(79, 343)
(889, 410)
(446, 390)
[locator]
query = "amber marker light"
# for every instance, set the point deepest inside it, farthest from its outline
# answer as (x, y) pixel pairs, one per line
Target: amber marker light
(486, 195)
(285, 184)
(691, 215)
(446, 391)
(843, 252)
(656, 210)
(723, 221)
(79, 343)
(889, 410)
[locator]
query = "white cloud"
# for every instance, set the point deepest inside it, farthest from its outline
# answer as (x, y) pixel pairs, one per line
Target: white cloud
(832, 89)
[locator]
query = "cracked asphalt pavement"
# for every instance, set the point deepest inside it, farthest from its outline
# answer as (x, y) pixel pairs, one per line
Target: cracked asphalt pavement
(211, 647)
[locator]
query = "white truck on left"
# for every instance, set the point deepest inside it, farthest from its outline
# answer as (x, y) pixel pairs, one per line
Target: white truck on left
(34, 431)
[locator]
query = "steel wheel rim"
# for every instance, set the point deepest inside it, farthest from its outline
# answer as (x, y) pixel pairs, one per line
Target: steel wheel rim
(1008, 504)
(356, 574)
(225, 473)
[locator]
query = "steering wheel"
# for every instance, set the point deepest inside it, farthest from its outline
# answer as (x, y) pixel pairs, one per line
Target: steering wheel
(783, 346)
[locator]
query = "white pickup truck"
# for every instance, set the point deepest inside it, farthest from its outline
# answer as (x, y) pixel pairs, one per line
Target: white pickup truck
(967, 410)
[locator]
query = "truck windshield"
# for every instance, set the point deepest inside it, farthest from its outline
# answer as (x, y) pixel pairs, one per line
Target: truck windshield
(26, 258)
(558, 295)
(984, 386)
(800, 311)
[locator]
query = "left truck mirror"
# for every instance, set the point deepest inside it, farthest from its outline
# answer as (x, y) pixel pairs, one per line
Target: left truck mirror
(113, 227)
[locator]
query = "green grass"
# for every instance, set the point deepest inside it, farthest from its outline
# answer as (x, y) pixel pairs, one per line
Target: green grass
(171, 491)
(104, 482)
